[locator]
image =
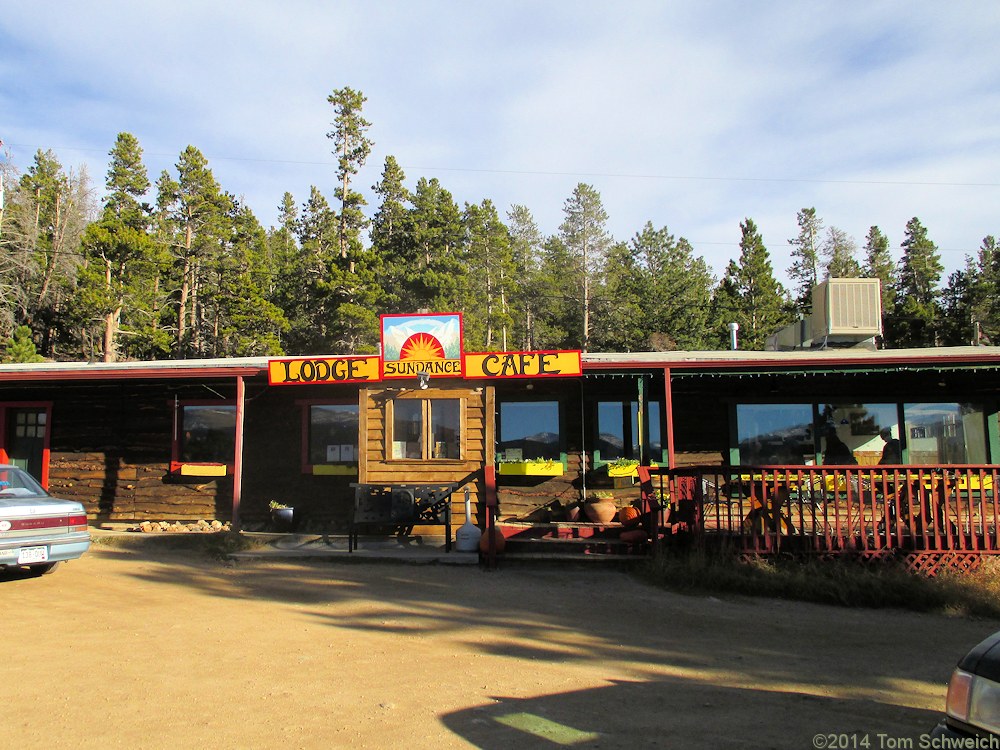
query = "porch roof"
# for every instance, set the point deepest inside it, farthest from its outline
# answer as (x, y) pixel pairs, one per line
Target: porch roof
(799, 363)
(157, 369)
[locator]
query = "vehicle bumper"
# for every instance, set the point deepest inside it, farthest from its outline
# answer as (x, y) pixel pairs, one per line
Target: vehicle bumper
(60, 549)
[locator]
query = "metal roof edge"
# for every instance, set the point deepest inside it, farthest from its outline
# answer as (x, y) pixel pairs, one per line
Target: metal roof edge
(722, 360)
(150, 369)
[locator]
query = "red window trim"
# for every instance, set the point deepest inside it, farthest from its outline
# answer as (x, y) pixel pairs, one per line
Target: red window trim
(175, 443)
(305, 413)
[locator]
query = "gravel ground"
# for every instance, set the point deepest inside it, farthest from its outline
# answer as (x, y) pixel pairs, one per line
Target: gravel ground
(145, 647)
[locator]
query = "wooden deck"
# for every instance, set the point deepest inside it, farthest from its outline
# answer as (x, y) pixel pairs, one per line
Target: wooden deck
(869, 510)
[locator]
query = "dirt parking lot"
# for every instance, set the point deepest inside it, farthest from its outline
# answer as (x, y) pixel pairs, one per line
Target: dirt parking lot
(151, 648)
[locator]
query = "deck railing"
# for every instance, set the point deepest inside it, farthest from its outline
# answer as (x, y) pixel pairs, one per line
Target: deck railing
(831, 509)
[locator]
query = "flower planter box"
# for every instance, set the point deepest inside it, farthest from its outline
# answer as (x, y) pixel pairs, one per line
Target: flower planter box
(628, 470)
(329, 470)
(531, 468)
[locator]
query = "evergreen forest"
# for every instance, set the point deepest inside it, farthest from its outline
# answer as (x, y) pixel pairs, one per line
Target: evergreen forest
(176, 267)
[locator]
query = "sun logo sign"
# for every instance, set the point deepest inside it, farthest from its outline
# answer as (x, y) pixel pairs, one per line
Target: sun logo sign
(430, 344)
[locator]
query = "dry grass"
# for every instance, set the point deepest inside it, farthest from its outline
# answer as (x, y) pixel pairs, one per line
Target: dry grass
(218, 545)
(841, 581)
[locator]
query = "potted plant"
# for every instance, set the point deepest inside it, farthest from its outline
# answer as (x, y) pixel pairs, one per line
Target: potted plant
(600, 507)
(282, 516)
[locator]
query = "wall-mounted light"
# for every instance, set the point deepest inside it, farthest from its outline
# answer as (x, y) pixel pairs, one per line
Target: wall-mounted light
(423, 380)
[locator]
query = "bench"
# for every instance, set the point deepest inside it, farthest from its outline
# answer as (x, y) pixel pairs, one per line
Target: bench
(400, 507)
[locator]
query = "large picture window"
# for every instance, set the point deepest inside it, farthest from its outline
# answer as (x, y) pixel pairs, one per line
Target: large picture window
(333, 434)
(529, 430)
(945, 433)
(619, 429)
(775, 434)
(207, 433)
(861, 434)
(426, 428)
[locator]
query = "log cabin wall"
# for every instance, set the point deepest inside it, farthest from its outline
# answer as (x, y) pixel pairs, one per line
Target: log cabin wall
(110, 449)
(273, 459)
(378, 465)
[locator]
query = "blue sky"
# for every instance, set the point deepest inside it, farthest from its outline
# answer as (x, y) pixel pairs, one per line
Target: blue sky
(689, 115)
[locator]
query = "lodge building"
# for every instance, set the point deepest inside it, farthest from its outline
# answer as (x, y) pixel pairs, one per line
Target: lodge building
(221, 439)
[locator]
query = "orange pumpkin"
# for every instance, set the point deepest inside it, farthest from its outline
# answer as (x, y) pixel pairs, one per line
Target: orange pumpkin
(628, 516)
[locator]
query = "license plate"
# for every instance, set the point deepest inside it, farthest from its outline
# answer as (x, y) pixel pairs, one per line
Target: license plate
(29, 555)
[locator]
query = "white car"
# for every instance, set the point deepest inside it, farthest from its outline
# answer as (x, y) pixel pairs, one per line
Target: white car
(37, 531)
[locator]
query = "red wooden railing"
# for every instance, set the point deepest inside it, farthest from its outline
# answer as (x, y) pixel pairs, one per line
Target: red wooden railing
(833, 509)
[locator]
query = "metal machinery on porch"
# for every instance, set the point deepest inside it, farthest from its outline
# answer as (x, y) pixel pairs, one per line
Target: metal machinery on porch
(400, 507)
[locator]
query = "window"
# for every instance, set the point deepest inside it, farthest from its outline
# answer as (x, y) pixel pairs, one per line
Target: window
(426, 428)
(945, 433)
(529, 430)
(207, 433)
(616, 419)
(865, 433)
(333, 434)
(775, 434)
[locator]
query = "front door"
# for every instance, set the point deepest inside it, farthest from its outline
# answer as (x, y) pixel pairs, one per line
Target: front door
(25, 444)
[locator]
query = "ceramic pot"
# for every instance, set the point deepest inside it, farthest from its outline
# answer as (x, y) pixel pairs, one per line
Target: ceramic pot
(600, 511)
(499, 542)
(283, 519)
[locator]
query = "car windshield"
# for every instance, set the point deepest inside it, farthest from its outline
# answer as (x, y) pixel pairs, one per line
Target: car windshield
(17, 483)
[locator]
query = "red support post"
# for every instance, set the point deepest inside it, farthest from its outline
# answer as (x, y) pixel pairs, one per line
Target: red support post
(238, 458)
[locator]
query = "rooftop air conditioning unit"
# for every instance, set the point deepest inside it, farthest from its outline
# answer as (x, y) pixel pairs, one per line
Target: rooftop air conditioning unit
(846, 311)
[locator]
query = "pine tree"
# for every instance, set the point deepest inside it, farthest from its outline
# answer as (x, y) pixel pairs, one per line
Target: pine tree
(193, 214)
(490, 279)
(806, 257)
(969, 300)
(584, 234)
(352, 148)
(20, 348)
(44, 221)
(433, 250)
(660, 294)
(117, 282)
(878, 264)
(917, 312)
(303, 279)
(839, 249)
(749, 295)
(241, 320)
(526, 248)
(556, 320)
(388, 234)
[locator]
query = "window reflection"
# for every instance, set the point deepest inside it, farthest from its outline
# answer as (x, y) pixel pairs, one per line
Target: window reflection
(529, 430)
(333, 433)
(775, 433)
(864, 434)
(446, 428)
(945, 433)
(616, 419)
(209, 433)
(407, 428)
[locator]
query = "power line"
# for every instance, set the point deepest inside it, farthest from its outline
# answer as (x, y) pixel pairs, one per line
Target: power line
(555, 173)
